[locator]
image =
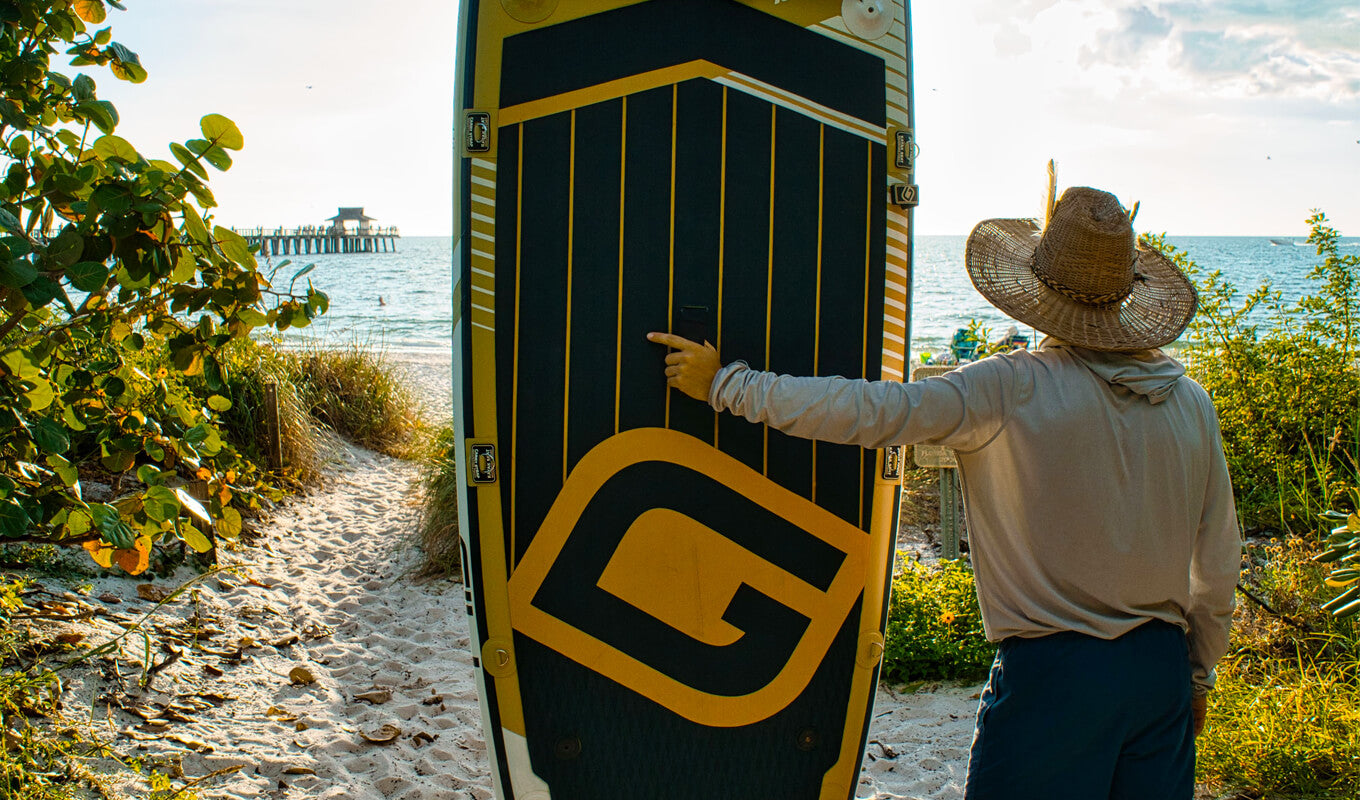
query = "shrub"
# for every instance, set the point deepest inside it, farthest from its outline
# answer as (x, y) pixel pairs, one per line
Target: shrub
(1284, 382)
(355, 392)
(1284, 727)
(104, 254)
(438, 531)
(935, 626)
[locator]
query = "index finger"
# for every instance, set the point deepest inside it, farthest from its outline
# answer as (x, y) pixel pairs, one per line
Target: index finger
(671, 340)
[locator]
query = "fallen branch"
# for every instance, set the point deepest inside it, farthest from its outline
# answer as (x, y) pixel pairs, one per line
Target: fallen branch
(1297, 623)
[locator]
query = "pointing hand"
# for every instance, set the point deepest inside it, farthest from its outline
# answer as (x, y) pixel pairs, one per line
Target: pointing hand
(691, 367)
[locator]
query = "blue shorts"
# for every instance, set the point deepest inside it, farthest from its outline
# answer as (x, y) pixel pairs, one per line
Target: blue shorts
(1075, 717)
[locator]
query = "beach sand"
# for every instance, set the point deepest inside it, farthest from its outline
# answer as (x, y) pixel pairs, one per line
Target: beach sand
(382, 702)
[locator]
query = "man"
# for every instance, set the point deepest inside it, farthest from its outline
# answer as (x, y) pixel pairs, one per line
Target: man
(1104, 537)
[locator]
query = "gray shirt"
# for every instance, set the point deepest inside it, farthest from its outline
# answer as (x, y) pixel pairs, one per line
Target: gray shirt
(1095, 488)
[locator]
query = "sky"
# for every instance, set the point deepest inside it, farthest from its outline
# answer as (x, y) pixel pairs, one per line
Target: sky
(1220, 117)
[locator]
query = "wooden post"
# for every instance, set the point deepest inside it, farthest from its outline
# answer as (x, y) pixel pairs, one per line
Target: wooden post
(271, 425)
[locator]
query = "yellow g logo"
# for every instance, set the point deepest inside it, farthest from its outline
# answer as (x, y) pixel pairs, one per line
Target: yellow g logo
(691, 579)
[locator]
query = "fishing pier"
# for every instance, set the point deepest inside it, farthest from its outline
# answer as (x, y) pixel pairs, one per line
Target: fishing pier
(337, 236)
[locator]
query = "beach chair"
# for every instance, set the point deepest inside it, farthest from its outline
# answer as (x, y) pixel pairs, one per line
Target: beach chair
(964, 346)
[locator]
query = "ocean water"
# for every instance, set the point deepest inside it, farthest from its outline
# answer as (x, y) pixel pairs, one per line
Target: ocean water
(415, 287)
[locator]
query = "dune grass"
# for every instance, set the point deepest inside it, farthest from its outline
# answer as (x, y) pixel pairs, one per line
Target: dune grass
(355, 392)
(438, 525)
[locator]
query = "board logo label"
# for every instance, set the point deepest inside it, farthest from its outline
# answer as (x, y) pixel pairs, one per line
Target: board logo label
(715, 593)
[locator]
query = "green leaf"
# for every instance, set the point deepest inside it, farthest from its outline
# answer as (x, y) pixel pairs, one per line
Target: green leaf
(222, 132)
(11, 115)
(14, 520)
(65, 250)
(40, 396)
(78, 522)
(212, 374)
(195, 538)
(1342, 599)
(21, 363)
(234, 247)
(50, 436)
(118, 461)
(82, 88)
(88, 276)
(299, 274)
(149, 475)
(211, 153)
(160, 503)
(92, 11)
(114, 386)
(252, 317)
(183, 156)
(126, 64)
(197, 435)
(65, 470)
(107, 147)
(101, 113)
(111, 527)
(230, 523)
(185, 267)
(10, 222)
(318, 302)
(19, 146)
(200, 192)
(43, 290)
(1347, 610)
(219, 403)
(193, 223)
(17, 274)
(71, 417)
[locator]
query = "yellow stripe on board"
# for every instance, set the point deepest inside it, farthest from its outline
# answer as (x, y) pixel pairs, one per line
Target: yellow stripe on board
(823, 114)
(817, 313)
(868, 262)
(670, 291)
(571, 249)
(769, 278)
(618, 333)
(610, 90)
(654, 79)
(514, 379)
(722, 236)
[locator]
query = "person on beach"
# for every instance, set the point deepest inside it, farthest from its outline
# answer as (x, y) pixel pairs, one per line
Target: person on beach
(1103, 533)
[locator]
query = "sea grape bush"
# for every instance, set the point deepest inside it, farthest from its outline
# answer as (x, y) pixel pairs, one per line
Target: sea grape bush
(934, 628)
(1284, 381)
(109, 261)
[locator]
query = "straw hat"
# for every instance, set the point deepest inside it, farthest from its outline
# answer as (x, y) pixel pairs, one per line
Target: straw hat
(1083, 278)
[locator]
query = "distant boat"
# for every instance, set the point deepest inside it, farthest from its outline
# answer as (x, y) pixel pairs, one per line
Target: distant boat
(1281, 241)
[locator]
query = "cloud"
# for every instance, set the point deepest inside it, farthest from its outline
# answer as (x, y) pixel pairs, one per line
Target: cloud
(1136, 30)
(1271, 47)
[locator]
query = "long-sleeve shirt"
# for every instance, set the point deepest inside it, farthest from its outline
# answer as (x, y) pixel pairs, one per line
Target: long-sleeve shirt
(1095, 488)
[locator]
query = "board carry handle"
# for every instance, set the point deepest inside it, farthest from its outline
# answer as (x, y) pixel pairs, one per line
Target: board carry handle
(694, 323)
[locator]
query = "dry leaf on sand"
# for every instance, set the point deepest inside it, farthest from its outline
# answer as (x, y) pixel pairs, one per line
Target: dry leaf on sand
(376, 696)
(151, 592)
(301, 676)
(384, 735)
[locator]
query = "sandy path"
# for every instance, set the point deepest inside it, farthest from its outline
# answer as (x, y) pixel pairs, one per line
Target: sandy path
(329, 591)
(335, 598)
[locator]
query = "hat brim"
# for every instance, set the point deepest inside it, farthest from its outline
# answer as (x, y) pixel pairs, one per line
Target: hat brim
(999, 258)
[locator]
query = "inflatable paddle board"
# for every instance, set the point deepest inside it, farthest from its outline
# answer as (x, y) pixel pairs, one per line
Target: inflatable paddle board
(665, 602)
